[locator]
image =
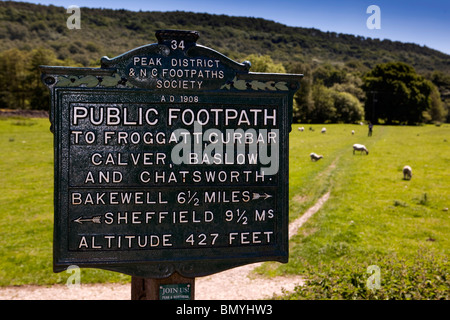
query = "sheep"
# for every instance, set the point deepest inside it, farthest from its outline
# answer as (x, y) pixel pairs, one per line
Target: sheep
(324, 130)
(301, 129)
(353, 132)
(360, 147)
(315, 157)
(407, 173)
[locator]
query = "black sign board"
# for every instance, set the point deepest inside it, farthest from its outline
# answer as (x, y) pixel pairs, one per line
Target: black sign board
(170, 158)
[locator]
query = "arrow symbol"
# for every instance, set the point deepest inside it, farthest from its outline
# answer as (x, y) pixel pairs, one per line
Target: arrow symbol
(80, 220)
(264, 195)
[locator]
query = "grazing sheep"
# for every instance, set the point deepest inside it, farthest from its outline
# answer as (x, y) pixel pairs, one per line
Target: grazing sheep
(407, 173)
(353, 132)
(315, 157)
(324, 130)
(360, 147)
(301, 129)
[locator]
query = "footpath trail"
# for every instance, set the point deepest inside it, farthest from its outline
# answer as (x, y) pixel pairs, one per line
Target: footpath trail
(235, 284)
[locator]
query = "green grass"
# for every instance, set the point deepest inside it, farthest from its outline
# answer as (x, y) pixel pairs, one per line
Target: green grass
(26, 201)
(373, 216)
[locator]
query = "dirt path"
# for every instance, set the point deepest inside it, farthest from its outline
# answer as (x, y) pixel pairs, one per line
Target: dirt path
(241, 283)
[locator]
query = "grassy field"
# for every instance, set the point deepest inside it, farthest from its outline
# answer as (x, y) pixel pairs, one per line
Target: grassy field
(373, 216)
(26, 200)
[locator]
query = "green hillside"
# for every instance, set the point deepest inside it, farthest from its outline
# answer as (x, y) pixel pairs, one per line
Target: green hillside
(334, 64)
(111, 32)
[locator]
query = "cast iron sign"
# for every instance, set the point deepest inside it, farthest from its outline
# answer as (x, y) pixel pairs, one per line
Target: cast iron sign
(170, 158)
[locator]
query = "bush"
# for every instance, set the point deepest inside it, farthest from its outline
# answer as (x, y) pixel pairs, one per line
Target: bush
(325, 105)
(348, 107)
(425, 276)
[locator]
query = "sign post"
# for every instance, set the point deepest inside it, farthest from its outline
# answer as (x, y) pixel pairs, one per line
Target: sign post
(175, 287)
(171, 160)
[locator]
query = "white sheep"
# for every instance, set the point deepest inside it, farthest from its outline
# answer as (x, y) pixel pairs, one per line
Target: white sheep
(315, 157)
(301, 129)
(324, 130)
(353, 132)
(407, 173)
(360, 147)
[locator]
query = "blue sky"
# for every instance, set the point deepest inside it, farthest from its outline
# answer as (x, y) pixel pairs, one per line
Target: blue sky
(422, 22)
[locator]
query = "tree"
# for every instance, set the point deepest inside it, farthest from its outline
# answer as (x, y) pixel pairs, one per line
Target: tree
(324, 109)
(20, 78)
(327, 94)
(348, 108)
(13, 73)
(437, 112)
(396, 93)
(303, 99)
(442, 82)
(328, 75)
(264, 63)
(39, 94)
